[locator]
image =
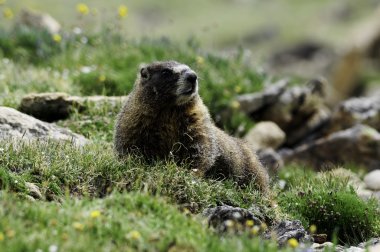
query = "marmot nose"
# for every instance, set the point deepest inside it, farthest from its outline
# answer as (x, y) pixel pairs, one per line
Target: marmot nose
(191, 77)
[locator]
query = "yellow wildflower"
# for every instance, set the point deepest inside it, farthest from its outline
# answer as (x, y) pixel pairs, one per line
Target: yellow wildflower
(237, 89)
(263, 226)
(78, 226)
(1, 236)
(134, 235)
(56, 38)
(200, 60)
(249, 223)
(292, 242)
(235, 104)
(83, 9)
(53, 222)
(102, 78)
(65, 236)
(95, 214)
(122, 11)
(255, 230)
(10, 233)
(313, 229)
(8, 13)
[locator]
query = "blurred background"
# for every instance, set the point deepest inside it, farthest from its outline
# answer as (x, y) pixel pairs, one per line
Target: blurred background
(219, 24)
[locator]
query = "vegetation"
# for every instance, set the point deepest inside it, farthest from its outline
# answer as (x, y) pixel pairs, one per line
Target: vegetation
(331, 204)
(93, 201)
(107, 64)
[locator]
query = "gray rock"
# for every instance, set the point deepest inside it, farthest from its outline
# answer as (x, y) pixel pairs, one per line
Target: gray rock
(370, 243)
(33, 190)
(57, 106)
(39, 21)
(359, 144)
(364, 110)
(250, 103)
(298, 111)
(285, 230)
(372, 180)
(225, 218)
(265, 135)
(271, 160)
(14, 124)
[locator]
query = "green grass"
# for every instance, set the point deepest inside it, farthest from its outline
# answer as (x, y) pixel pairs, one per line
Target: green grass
(330, 203)
(130, 195)
(94, 171)
(127, 222)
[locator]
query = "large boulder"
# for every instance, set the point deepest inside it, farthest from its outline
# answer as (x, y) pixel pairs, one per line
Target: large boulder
(359, 144)
(51, 107)
(14, 124)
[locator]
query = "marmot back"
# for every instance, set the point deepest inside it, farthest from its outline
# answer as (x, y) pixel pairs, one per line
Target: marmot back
(165, 117)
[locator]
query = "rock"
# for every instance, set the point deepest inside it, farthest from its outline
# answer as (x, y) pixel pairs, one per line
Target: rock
(225, 218)
(319, 238)
(33, 190)
(372, 180)
(265, 135)
(364, 110)
(298, 111)
(375, 248)
(271, 160)
(370, 243)
(329, 246)
(359, 145)
(39, 21)
(48, 106)
(251, 103)
(58, 106)
(14, 124)
(285, 230)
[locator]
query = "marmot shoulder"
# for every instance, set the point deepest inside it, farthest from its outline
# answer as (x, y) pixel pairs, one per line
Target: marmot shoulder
(164, 117)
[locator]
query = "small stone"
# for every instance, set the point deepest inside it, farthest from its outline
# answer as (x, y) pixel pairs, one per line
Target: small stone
(271, 160)
(265, 135)
(372, 180)
(319, 238)
(34, 190)
(286, 230)
(222, 218)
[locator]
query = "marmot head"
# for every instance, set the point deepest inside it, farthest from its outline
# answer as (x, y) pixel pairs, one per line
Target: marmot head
(168, 83)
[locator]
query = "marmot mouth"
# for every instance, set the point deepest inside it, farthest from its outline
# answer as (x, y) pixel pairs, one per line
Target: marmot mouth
(190, 90)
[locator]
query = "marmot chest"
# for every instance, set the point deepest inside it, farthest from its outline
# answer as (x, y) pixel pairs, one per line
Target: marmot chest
(169, 135)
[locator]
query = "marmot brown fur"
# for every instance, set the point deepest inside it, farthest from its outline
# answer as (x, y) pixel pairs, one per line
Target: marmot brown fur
(165, 117)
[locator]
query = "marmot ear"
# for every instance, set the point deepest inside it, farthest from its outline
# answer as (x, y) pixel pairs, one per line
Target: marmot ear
(144, 72)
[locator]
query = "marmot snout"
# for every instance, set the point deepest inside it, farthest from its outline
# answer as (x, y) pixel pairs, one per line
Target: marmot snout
(165, 117)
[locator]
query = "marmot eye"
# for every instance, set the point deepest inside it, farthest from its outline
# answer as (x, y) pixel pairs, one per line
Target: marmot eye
(166, 72)
(144, 73)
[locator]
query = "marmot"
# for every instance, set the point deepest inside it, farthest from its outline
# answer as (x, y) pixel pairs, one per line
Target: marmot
(164, 117)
